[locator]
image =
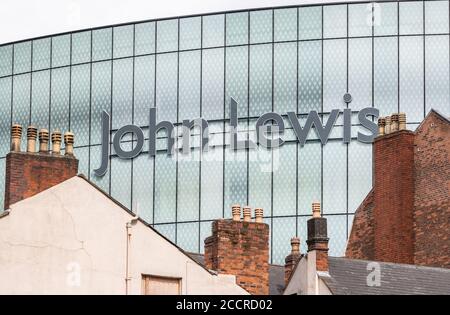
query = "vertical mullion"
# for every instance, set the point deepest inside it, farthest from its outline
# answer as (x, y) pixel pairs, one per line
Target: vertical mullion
(398, 56)
(12, 89)
(154, 104)
(424, 62)
(201, 144)
(90, 108)
(321, 87)
(178, 117)
(132, 118)
(111, 106)
(273, 105)
(50, 88)
(31, 83)
(347, 144)
(70, 81)
(297, 145)
(247, 150)
(224, 110)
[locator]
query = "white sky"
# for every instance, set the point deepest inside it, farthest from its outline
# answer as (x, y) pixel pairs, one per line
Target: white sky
(23, 19)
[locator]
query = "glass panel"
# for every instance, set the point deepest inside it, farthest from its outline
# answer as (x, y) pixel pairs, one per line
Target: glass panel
(284, 180)
(123, 41)
(190, 33)
(145, 38)
(167, 230)
(360, 72)
(411, 78)
(411, 17)
(188, 187)
(60, 99)
(144, 89)
(5, 60)
(359, 173)
(187, 237)
(82, 154)
(213, 30)
(41, 101)
(310, 76)
(386, 75)
(285, 77)
(213, 82)
(235, 179)
(237, 80)
(21, 101)
(61, 51)
(121, 178)
(5, 116)
(205, 231)
(334, 177)
(335, 21)
(101, 97)
(122, 93)
(337, 232)
(143, 187)
(385, 18)
(436, 17)
(334, 74)
(80, 103)
(2, 184)
(261, 26)
(165, 186)
(166, 86)
(437, 74)
(189, 90)
(212, 184)
(285, 24)
(167, 35)
(302, 233)
(283, 231)
(41, 54)
(310, 22)
(309, 176)
(260, 179)
(360, 19)
(81, 47)
(237, 28)
(260, 79)
(101, 44)
(22, 57)
(95, 159)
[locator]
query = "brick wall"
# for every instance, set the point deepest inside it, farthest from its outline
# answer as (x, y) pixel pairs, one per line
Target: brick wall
(361, 243)
(241, 249)
(30, 173)
(432, 193)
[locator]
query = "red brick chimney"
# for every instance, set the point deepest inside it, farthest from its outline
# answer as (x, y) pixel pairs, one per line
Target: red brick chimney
(318, 238)
(292, 259)
(393, 153)
(30, 172)
(241, 248)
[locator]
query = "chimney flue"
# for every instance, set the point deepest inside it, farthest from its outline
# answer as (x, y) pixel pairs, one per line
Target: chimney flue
(247, 214)
(259, 213)
(43, 140)
(394, 122)
(387, 127)
(69, 139)
(236, 212)
(56, 142)
(16, 136)
(31, 139)
(316, 210)
(292, 259)
(402, 121)
(381, 126)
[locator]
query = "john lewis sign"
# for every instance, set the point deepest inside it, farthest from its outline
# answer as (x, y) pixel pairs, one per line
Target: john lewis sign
(269, 130)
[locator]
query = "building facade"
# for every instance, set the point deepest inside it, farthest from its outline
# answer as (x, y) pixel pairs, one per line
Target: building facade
(393, 56)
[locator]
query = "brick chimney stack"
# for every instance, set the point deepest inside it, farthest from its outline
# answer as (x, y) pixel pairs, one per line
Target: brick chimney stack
(28, 173)
(241, 248)
(318, 238)
(292, 259)
(394, 192)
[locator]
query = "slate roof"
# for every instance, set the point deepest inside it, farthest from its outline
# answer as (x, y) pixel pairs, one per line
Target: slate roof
(349, 276)
(276, 275)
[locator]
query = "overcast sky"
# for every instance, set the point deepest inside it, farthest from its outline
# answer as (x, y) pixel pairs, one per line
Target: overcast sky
(22, 19)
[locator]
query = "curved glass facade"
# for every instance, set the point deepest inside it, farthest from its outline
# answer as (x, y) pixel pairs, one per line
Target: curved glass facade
(390, 55)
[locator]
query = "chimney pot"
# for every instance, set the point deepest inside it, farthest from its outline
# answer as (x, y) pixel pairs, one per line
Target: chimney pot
(31, 139)
(247, 214)
(43, 140)
(316, 210)
(387, 128)
(69, 139)
(259, 214)
(401, 121)
(394, 122)
(236, 211)
(381, 126)
(16, 136)
(56, 142)
(295, 245)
